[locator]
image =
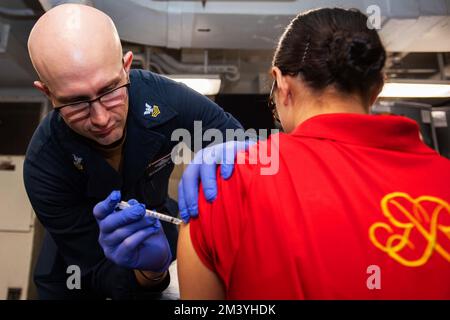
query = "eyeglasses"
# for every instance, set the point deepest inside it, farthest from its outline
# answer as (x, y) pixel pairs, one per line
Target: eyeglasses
(109, 99)
(272, 105)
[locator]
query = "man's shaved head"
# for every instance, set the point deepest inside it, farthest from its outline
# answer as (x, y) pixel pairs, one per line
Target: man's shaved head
(71, 39)
(77, 54)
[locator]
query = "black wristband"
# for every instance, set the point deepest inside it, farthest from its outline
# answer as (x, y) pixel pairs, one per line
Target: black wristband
(152, 292)
(153, 279)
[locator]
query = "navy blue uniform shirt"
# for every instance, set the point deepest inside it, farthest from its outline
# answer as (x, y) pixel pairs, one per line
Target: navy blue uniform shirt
(65, 177)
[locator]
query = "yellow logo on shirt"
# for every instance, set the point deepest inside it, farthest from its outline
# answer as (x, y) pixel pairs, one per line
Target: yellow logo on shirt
(151, 110)
(417, 228)
(155, 111)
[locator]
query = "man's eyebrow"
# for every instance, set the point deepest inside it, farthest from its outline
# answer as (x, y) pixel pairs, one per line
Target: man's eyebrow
(108, 86)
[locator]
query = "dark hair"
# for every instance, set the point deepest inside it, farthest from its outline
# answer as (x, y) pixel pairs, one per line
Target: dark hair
(332, 47)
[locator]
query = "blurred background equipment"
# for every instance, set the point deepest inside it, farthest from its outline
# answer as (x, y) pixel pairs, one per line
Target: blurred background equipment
(208, 85)
(233, 41)
(20, 233)
(441, 120)
(415, 89)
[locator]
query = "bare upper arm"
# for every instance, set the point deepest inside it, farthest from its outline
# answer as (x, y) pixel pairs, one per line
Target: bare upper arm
(196, 281)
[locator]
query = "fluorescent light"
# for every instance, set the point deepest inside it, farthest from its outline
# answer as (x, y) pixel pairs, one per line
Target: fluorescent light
(208, 85)
(415, 90)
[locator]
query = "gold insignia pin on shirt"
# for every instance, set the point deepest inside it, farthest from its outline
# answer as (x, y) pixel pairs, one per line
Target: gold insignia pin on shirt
(151, 110)
(155, 111)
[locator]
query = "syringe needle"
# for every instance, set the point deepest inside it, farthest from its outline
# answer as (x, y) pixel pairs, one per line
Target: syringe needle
(164, 217)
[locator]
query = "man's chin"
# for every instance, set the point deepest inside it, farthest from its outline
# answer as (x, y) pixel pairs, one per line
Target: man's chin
(110, 139)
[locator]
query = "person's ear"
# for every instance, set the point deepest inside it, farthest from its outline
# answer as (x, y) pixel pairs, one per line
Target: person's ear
(282, 92)
(127, 61)
(376, 90)
(42, 87)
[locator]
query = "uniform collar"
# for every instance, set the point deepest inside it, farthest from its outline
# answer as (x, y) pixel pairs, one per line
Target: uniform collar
(145, 104)
(377, 131)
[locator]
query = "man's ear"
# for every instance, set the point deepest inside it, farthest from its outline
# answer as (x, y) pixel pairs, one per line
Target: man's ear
(127, 61)
(42, 87)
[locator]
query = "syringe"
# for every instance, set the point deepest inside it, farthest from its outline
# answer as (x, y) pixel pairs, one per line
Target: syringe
(122, 205)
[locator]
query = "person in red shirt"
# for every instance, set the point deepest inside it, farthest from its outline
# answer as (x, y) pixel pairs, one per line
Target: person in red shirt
(359, 205)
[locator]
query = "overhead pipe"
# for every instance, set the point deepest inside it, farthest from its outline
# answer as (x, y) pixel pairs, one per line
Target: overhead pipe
(231, 72)
(146, 63)
(48, 4)
(163, 65)
(17, 12)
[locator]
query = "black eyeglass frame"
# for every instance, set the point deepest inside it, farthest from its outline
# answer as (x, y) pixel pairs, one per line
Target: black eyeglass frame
(271, 104)
(90, 102)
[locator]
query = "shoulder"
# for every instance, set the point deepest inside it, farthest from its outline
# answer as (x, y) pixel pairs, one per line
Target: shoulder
(152, 81)
(46, 155)
(161, 89)
(42, 137)
(263, 164)
(159, 99)
(149, 102)
(149, 89)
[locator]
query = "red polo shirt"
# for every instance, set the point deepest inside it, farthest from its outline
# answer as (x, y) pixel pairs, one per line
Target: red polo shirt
(359, 209)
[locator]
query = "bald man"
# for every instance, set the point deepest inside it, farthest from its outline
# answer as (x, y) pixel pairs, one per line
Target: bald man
(110, 129)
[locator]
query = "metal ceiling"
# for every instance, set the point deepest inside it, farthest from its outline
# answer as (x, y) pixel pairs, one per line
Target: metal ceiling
(239, 34)
(407, 25)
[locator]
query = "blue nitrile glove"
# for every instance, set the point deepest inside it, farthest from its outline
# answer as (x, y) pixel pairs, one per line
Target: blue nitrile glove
(203, 167)
(131, 239)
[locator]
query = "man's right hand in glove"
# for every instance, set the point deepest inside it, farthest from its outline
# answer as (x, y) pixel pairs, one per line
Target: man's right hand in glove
(131, 239)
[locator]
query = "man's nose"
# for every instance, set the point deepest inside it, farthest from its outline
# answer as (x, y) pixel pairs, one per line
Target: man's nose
(99, 114)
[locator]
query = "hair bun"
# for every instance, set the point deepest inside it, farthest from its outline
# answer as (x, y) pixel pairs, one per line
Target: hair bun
(332, 47)
(353, 56)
